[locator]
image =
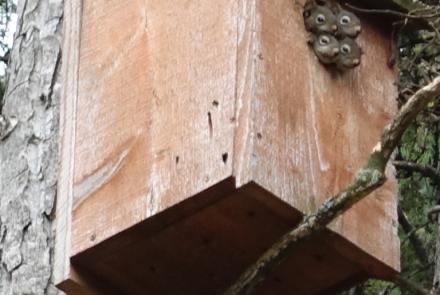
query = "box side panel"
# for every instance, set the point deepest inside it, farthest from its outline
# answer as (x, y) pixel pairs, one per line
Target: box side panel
(313, 127)
(155, 113)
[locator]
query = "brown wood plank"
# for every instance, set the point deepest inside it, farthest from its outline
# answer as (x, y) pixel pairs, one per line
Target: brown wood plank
(148, 136)
(245, 90)
(157, 223)
(312, 127)
(205, 251)
(169, 107)
(85, 284)
(70, 67)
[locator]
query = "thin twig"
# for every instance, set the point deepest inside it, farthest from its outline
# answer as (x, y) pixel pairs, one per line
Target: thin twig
(415, 230)
(392, 12)
(416, 243)
(409, 286)
(425, 170)
(433, 211)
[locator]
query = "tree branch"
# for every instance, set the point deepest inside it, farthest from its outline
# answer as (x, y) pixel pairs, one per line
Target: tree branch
(407, 285)
(369, 177)
(425, 170)
(393, 12)
(433, 211)
(417, 244)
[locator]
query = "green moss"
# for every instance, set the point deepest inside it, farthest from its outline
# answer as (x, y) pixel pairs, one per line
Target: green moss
(376, 162)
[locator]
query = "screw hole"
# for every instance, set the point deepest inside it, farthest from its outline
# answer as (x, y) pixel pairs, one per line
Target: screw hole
(225, 157)
(215, 103)
(259, 135)
(177, 160)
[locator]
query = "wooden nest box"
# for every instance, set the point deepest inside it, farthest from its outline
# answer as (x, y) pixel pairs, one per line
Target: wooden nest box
(196, 133)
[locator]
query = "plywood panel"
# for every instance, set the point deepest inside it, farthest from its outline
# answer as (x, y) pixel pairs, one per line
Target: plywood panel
(312, 127)
(148, 133)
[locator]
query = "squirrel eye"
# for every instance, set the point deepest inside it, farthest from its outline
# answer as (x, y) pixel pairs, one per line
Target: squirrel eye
(345, 20)
(324, 40)
(320, 19)
(345, 48)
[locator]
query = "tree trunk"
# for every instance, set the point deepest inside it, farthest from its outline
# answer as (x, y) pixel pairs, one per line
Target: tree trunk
(28, 150)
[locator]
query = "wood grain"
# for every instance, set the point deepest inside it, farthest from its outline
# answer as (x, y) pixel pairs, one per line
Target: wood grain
(312, 127)
(70, 65)
(148, 136)
(166, 99)
(204, 252)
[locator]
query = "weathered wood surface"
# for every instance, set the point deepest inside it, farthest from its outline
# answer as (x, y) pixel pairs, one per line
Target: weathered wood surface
(155, 118)
(311, 129)
(174, 97)
(70, 65)
(28, 155)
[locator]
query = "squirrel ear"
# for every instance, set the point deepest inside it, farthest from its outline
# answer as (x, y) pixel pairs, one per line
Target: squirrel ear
(306, 13)
(321, 2)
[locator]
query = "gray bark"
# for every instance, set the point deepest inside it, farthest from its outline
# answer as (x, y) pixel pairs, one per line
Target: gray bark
(28, 150)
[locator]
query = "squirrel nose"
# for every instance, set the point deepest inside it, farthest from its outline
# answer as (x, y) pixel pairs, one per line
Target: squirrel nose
(334, 28)
(358, 29)
(335, 51)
